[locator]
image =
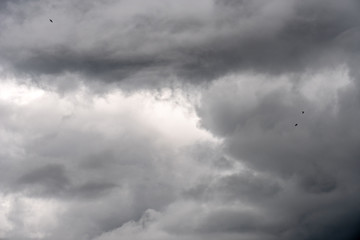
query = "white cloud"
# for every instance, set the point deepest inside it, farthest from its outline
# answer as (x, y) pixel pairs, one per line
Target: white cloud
(22, 216)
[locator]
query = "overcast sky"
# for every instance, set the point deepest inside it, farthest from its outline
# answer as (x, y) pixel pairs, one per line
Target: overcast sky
(175, 120)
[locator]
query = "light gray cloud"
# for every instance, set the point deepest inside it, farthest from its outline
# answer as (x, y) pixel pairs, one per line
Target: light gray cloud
(73, 172)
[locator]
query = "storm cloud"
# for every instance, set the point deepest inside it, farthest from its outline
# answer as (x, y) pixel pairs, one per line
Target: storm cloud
(113, 41)
(179, 120)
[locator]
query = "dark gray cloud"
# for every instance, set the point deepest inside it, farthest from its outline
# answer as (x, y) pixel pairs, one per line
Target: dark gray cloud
(312, 164)
(106, 42)
(50, 178)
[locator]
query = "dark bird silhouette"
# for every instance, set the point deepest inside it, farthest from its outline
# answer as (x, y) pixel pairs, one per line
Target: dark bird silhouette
(302, 112)
(50, 20)
(296, 124)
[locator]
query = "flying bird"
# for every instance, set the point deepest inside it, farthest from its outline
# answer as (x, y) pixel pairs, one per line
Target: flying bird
(50, 20)
(302, 112)
(296, 124)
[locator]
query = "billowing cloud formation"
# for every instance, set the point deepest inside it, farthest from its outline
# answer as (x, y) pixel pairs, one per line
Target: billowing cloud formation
(292, 182)
(88, 155)
(316, 161)
(235, 158)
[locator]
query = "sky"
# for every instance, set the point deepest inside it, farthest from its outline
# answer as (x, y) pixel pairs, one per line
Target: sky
(175, 120)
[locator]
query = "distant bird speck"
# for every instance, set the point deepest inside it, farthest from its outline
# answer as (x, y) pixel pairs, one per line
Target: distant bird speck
(50, 20)
(296, 124)
(302, 112)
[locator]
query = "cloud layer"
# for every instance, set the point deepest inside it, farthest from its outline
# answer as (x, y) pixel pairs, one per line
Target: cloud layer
(179, 120)
(113, 41)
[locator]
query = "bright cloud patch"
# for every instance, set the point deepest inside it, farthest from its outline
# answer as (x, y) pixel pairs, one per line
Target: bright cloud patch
(86, 150)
